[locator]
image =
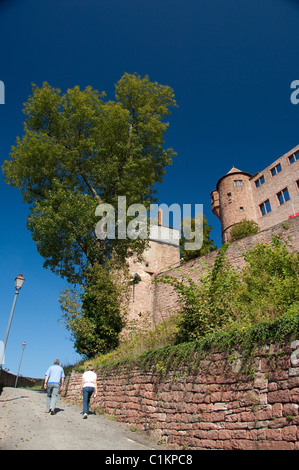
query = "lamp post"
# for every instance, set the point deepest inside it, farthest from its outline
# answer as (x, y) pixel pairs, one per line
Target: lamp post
(19, 281)
(23, 347)
(134, 281)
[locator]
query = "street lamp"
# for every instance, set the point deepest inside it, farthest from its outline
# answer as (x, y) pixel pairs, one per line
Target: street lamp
(23, 347)
(134, 281)
(19, 281)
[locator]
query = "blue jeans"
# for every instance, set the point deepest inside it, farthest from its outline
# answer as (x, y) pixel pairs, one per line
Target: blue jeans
(87, 392)
(52, 393)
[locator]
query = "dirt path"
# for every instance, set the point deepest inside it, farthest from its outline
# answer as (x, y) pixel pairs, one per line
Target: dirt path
(24, 425)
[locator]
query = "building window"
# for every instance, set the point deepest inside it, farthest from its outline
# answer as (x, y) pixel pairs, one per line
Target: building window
(260, 181)
(238, 183)
(265, 207)
(283, 196)
(293, 158)
(241, 209)
(276, 170)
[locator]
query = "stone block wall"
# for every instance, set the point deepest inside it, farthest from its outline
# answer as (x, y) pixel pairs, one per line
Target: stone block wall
(214, 406)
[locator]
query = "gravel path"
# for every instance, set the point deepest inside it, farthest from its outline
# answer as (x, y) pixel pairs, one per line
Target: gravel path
(24, 425)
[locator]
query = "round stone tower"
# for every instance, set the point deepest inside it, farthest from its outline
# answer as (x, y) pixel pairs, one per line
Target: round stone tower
(232, 200)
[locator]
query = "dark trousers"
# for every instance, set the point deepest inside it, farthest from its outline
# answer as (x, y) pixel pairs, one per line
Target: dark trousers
(87, 392)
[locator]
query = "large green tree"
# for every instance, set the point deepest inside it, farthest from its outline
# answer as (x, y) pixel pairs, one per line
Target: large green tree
(79, 150)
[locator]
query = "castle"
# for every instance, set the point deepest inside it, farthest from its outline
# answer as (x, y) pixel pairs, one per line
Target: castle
(269, 198)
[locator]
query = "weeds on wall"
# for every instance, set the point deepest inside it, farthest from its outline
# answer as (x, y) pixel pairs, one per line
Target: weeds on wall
(177, 357)
(230, 300)
(225, 310)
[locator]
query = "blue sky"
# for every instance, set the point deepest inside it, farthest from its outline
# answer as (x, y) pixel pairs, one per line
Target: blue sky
(230, 64)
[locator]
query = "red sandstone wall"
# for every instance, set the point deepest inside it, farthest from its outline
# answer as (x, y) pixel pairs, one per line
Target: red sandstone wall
(215, 407)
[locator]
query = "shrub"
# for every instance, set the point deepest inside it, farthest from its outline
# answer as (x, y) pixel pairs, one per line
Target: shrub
(224, 298)
(243, 229)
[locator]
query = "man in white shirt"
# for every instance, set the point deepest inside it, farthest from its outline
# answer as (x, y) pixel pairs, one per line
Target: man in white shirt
(88, 387)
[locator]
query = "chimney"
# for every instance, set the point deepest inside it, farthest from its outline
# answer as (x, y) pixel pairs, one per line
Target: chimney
(160, 217)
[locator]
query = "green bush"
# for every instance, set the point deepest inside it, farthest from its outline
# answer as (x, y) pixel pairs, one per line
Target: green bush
(224, 298)
(243, 229)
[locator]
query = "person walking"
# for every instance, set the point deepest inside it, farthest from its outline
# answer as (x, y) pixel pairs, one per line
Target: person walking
(54, 381)
(88, 387)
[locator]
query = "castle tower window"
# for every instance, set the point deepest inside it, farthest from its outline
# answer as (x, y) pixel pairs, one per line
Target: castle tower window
(283, 196)
(260, 181)
(293, 158)
(265, 207)
(241, 209)
(238, 183)
(276, 170)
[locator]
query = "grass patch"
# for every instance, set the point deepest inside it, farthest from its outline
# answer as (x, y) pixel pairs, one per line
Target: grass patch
(141, 344)
(188, 355)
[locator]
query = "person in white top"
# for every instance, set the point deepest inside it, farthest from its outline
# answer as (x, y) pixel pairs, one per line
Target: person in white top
(88, 387)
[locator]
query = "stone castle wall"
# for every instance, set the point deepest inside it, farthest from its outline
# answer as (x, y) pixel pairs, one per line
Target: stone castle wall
(240, 195)
(214, 406)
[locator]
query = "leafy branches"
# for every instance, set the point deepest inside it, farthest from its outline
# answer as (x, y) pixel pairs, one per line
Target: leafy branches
(95, 314)
(79, 150)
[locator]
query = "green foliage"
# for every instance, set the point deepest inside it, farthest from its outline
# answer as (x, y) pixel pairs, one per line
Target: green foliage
(207, 243)
(224, 298)
(187, 356)
(269, 281)
(94, 315)
(205, 304)
(216, 314)
(243, 229)
(142, 343)
(78, 151)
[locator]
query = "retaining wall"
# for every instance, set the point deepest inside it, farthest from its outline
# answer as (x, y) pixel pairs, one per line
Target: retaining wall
(8, 380)
(216, 406)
